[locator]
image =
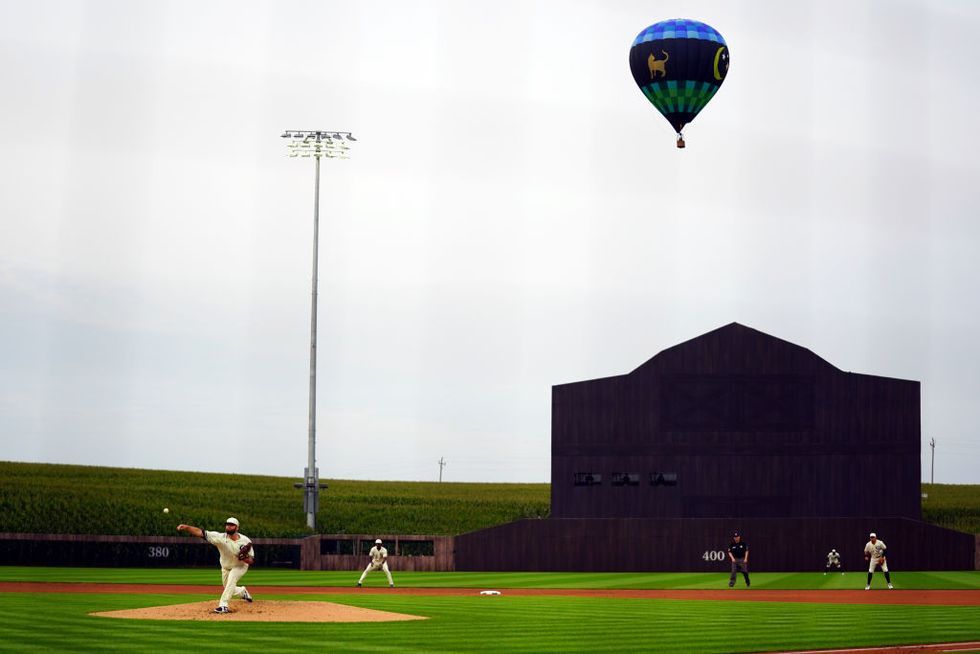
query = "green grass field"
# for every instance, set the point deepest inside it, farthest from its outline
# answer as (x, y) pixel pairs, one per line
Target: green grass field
(47, 498)
(38, 622)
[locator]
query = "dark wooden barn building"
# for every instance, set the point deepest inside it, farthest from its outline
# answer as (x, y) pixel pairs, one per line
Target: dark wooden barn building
(734, 429)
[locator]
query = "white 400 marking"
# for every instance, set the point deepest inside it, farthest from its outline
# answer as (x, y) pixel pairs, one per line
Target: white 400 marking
(713, 555)
(158, 552)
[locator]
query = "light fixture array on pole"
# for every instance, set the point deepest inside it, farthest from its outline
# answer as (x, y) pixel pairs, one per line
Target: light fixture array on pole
(315, 144)
(307, 143)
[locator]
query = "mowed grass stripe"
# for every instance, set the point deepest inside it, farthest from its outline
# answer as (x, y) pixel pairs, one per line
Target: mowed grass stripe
(511, 624)
(259, 577)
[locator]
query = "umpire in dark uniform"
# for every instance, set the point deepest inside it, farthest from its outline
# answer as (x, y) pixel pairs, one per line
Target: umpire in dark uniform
(738, 553)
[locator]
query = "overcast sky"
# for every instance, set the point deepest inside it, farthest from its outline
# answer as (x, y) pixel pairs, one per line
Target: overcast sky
(515, 216)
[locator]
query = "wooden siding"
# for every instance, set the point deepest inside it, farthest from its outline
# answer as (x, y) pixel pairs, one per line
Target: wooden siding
(680, 545)
(752, 425)
(135, 551)
(114, 550)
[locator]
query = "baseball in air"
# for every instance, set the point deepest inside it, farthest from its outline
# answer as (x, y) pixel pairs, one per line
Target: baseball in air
(166, 510)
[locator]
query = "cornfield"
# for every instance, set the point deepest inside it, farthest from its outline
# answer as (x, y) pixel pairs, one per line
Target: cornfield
(64, 499)
(952, 505)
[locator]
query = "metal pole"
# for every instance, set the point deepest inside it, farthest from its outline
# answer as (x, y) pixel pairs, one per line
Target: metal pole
(316, 144)
(932, 472)
(312, 481)
(441, 463)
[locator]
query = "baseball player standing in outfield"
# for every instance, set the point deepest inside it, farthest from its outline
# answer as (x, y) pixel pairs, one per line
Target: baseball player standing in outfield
(379, 561)
(833, 561)
(738, 553)
(236, 554)
(874, 552)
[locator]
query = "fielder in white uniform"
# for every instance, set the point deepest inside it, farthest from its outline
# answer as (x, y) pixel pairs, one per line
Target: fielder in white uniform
(874, 552)
(833, 561)
(379, 561)
(236, 555)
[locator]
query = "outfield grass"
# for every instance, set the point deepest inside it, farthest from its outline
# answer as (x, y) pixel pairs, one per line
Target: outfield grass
(507, 623)
(37, 622)
(594, 580)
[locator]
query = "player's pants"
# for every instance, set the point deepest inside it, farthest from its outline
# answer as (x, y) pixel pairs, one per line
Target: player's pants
(833, 565)
(229, 578)
(884, 568)
(739, 565)
(370, 567)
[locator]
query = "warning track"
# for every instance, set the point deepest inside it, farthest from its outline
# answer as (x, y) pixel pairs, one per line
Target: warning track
(906, 597)
(906, 649)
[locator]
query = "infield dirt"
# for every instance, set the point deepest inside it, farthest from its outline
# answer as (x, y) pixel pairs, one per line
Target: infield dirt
(876, 596)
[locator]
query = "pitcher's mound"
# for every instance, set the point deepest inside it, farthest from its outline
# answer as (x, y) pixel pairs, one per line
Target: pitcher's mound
(262, 611)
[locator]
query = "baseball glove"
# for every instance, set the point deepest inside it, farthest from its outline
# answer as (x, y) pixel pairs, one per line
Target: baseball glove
(243, 551)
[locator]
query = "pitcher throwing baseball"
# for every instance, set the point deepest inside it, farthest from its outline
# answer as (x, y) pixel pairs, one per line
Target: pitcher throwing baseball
(379, 561)
(236, 553)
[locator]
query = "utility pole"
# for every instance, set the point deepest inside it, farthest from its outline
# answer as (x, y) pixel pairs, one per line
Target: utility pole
(315, 144)
(932, 472)
(442, 463)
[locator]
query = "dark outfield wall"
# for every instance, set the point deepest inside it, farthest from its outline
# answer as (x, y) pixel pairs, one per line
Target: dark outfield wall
(134, 551)
(678, 545)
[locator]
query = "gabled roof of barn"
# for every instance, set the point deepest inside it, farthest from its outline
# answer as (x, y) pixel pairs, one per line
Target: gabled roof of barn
(734, 349)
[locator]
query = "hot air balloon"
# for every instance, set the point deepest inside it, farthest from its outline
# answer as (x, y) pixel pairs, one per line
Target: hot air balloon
(679, 65)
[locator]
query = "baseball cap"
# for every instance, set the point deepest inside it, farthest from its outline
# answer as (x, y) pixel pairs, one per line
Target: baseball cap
(232, 521)
(873, 535)
(377, 542)
(736, 534)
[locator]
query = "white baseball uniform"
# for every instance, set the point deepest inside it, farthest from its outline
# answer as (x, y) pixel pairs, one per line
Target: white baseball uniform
(232, 568)
(877, 552)
(378, 562)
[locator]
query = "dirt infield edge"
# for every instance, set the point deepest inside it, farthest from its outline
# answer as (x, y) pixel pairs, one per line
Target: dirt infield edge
(904, 597)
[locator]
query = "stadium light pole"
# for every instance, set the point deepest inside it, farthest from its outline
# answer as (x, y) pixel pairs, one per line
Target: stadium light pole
(932, 471)
(315, 144)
